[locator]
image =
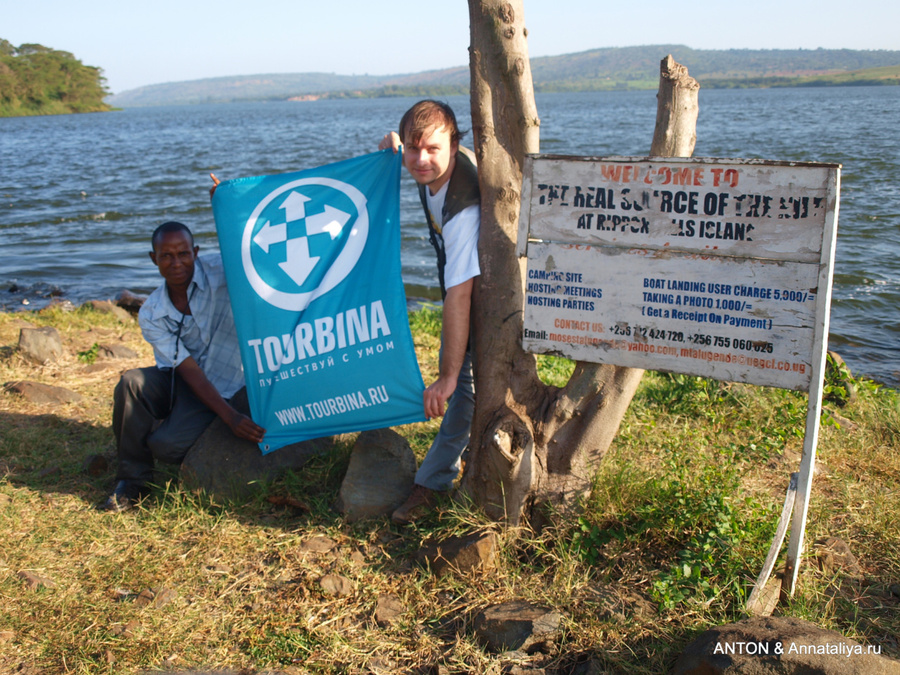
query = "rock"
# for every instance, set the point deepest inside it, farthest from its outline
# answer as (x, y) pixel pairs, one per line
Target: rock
(381, 665)
(144, 598)
(130, 302)
(127, 629)
(93, 368)
(35, 581)
(516, 625)
(95, 465)
(752, 646)
(620, 604)
(287, 501)
(232, 468)
(47, 473)
(516, 669)
(389, 609)
(833, 555)
(379, 477)
(115, 351)
(35, 392)
(41, 345)
(460, 554)
(334, 584)
(158, 597)
(317, 544)
(107, 307)
(60, 304)
(592, 666)
(163, 596)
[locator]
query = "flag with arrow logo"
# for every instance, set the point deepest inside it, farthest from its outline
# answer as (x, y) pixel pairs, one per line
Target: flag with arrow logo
(312, 261)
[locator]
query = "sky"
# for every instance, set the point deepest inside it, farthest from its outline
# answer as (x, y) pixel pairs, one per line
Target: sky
(142, 43)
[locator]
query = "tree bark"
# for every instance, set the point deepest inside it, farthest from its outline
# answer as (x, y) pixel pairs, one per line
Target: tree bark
(532, 446)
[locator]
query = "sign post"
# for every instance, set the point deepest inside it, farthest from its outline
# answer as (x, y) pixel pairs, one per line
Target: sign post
(719, 268)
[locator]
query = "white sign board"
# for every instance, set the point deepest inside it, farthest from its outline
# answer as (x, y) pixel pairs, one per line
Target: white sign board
(705, 267)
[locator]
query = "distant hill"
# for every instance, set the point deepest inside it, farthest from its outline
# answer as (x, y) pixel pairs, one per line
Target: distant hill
(593, 70)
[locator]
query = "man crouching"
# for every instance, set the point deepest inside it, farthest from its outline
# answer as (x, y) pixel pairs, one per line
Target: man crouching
(159, 412)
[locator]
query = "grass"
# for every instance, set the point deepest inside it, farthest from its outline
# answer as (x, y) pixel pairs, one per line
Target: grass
(668, 544)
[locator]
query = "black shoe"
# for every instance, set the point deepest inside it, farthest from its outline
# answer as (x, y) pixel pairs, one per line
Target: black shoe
(126, 494)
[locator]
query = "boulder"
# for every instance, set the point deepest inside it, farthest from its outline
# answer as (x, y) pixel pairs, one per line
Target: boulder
(336, 585)
(517, 626)
(317, 545)
(107, 307)
(379, 477)
(232, 468)
(780, 646)
(95, 465)
(835, 557)
(41, 345)
(158, 597)
(388, 609)
(35, 392)
(117, 351)
(130, 302)
(460, 554)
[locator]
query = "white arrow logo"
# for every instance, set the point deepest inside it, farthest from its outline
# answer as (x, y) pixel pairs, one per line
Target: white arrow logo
(270, 234)
(299, 263)
(294, 206)
(331, 220)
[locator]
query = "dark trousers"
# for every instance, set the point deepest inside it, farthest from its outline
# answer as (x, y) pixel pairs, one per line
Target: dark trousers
(144, 427)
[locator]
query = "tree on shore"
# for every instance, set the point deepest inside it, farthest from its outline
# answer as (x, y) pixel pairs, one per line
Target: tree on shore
(37, 80)
(533, 446)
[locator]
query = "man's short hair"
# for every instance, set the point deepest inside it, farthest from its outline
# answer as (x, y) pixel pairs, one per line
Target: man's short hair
(167, 228)
(425, 115)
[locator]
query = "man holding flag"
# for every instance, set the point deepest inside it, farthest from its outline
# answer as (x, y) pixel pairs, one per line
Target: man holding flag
(158, 412)
(448, 187)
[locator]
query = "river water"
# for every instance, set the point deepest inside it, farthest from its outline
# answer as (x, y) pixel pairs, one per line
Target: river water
(80, 194)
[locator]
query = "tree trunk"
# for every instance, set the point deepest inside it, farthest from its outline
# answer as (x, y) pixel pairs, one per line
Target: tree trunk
(676, 111)
(532, 445)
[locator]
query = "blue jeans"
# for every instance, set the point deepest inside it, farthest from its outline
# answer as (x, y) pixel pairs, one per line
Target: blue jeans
(442, 463)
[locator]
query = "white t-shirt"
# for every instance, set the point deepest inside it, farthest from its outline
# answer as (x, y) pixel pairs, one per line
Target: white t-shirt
(460, 235)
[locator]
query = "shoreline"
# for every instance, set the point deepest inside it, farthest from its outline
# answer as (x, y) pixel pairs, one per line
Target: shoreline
(131, 302)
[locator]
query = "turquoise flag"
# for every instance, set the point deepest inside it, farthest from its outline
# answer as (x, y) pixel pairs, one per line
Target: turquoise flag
(312, 262)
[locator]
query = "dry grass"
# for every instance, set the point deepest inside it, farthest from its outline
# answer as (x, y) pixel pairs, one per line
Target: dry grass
(237, 586)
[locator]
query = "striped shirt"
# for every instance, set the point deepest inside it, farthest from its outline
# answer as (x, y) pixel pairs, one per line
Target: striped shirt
(208, 333)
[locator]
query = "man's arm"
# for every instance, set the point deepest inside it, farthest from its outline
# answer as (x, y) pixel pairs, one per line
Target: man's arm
(240, 425)
(455, 339)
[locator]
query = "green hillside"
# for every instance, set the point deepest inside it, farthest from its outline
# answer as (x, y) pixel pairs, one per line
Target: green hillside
(594, 70)
(638, 68)
(37, 80)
